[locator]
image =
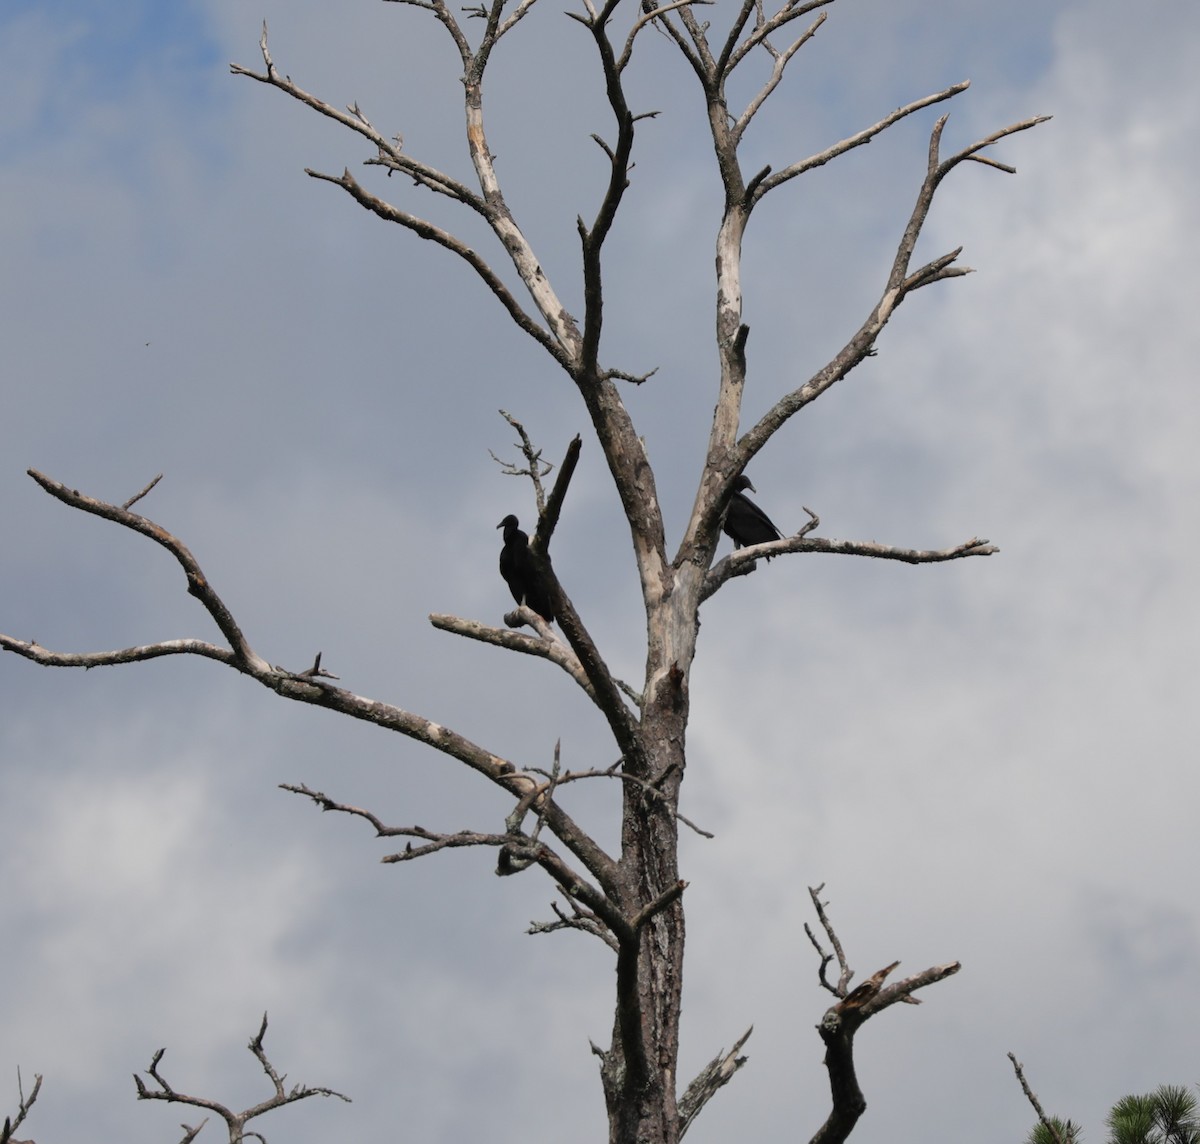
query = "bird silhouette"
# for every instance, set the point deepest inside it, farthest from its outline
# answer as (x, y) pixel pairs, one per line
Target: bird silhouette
(517, 568)
(745, 523)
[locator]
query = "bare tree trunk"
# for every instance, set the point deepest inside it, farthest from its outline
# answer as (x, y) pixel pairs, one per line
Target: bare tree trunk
(639, 1070)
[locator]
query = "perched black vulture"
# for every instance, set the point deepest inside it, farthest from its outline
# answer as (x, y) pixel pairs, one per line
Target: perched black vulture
(746, 523)
(516, 566)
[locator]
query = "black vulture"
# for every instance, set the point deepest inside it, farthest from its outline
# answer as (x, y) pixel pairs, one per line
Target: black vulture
(517, 568)
(746, 523)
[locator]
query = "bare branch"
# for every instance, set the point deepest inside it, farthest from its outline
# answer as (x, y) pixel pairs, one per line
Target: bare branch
(517, 14)
(843, 1019)
(973, 547)
(698, 49)
(652, 909)
(972, 152)
(721, 68)
(899, 283)
(548, 513)
(858, 139)
(903, 990)
(314, 672)
(732, 56)
(528, 849)
(138, 496)
(381, 830)
(390, 153)
(596, 861)
(543, 645)
(548, 797)
(578, 919)
(742, 561)
(32, 650)
(244, 657)
(562, 342)
(847, 973)
(24, 1104)
(935, 271)
(535, 467)
(633, 378)
(443, 238)
(714, 1076)
(593, 238)
(782, 59)
(523, 616)
(1037, 1107)
(235, 1121)
(700, 65)
(614, 773)
(649, 16)
(606, 693)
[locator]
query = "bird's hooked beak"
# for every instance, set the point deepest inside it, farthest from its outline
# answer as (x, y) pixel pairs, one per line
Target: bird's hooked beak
(749, 483)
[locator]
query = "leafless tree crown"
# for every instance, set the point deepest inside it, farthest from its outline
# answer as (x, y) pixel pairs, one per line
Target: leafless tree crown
(632, 899)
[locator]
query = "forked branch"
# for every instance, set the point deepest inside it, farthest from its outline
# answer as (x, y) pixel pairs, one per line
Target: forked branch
(235, 1121)
(562, 339)
(900, 283)
(858, 139)
(243, 655)
(452, 243)
(536, 466)
(391, 152)
(781, 59)
(24, 1104)
(843, 1019)
(532, 851)
(578, 919)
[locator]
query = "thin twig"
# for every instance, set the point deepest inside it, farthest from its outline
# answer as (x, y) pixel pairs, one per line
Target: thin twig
(847, 973)
(24, 1104)
(610, 773)
(583, 920)
(138, 496)
(535, 466)
(1037, 1107)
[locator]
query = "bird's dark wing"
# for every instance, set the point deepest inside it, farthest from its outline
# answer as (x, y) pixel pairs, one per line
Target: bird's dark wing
(747, 524)
(538, 600)
(510, 569)
(517, 568)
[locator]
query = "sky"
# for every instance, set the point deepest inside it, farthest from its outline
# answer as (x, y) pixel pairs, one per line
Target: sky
(991, 760)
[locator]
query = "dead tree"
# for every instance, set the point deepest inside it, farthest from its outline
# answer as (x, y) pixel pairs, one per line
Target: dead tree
(632, 900)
